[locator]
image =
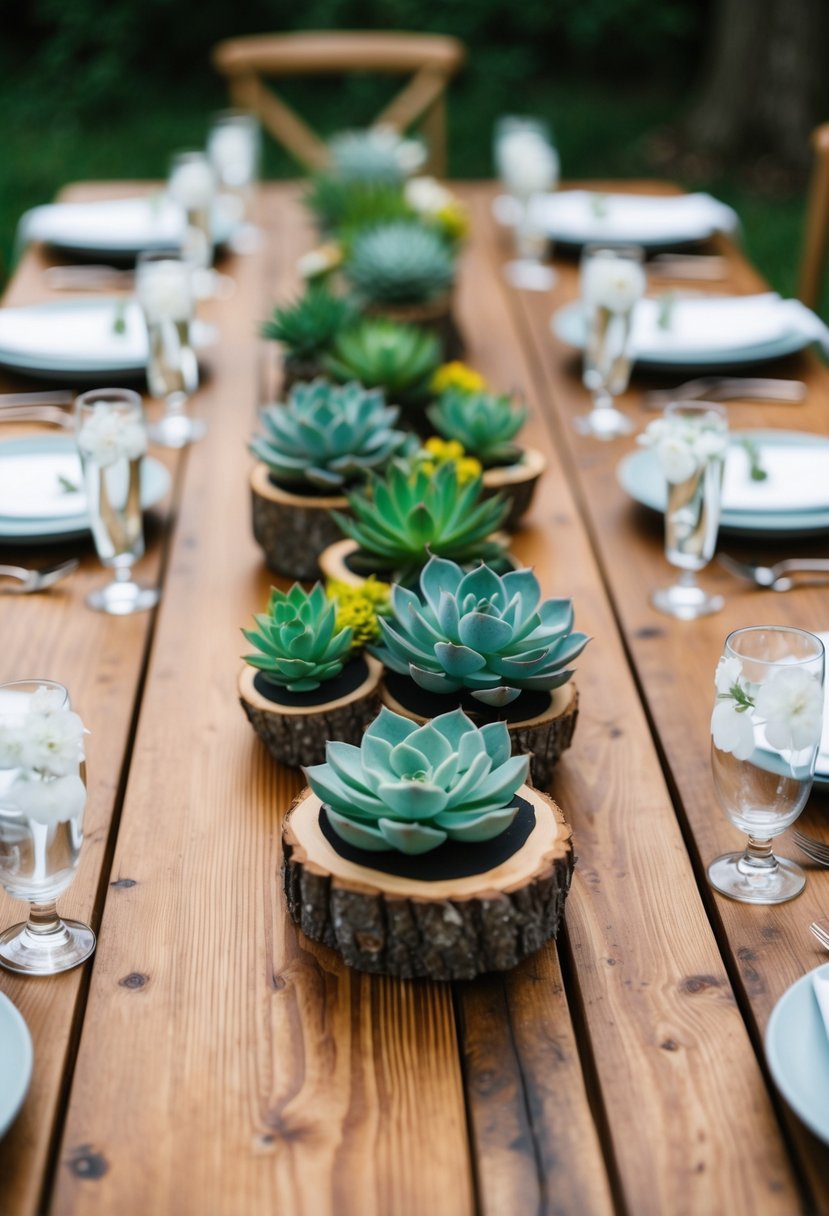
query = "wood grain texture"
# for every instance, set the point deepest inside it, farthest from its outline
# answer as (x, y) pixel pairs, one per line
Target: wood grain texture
(666, 1036)
(245, 1070)
(765, 949)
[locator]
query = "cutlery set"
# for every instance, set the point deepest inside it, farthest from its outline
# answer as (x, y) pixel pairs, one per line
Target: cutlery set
(25, 581)
(727, 388)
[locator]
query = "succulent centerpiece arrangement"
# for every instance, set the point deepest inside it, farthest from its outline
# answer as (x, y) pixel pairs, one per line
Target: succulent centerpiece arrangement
(305, 330)
(486, 425)
(490, 644)
(305, 681)
(396, 522)
(400, 359)
(422, 852)
(309, 452)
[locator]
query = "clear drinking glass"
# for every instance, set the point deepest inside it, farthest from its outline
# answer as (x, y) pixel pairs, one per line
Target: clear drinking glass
(42, 802)
(527, 163)
(112, 439)
(233, 148)
(692, 454)
(612, 282)
(192, 185)
(163, 285)
(765, 730)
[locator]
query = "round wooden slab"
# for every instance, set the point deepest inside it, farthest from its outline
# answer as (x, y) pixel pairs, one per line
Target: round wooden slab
(448, 929)
(292, 529)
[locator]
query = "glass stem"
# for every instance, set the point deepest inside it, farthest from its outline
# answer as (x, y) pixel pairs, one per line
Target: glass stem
(44, 922)
(175, 403)
(759, 857)
(123, 574)
(602, 399)
(686, 578)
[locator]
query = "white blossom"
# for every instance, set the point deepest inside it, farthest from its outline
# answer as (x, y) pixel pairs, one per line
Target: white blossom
(110, 435)
(791, 702)
(684, 445)
(729, 672)
(612, 283)
(527, 163)
(46, 739)
(732, 729)
(50, 802)
(426, 195)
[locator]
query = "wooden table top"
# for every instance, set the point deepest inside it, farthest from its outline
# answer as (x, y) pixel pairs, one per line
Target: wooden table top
(212, 1060)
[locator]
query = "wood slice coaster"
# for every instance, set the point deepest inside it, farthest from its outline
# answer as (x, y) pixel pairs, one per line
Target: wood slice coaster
(296, 734)
(292, 529)
(517, 482)
(544, 736)
(436, 315)
(450, 928)
(334, 562)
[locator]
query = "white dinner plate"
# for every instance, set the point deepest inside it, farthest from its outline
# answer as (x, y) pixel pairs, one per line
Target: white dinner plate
(640, 475)
(116, 228)
(567, 323)
(43, 459)
(15, 1062)
(797, 1050)
(580, 217)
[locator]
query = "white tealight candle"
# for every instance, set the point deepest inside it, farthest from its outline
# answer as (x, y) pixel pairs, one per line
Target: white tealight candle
(612, 283)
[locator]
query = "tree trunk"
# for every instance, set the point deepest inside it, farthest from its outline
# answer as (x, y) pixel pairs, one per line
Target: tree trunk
(763, 85)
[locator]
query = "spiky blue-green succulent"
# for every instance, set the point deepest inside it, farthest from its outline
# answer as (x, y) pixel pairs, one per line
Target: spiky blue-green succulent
(480, 632)
(399, 520)
(380, 353)
(299, 646)
(410, 787)
(327, 435)
(369, 155)
(403, 262)
(307, 327)
(484, 423)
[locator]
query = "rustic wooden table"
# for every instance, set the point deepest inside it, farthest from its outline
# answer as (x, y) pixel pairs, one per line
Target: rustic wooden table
(211, 1060)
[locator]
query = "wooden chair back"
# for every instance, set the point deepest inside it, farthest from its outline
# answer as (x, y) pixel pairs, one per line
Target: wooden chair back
(816, 240)
(431, 60)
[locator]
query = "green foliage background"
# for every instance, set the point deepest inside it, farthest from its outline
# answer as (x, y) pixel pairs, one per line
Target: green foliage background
(108, 88)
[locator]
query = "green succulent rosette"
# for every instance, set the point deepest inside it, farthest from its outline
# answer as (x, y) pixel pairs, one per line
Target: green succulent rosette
(298, 645)
(479, 632)
(403, 262)
(411, 788)
(307, 327)
(484, 423)
(400, 359)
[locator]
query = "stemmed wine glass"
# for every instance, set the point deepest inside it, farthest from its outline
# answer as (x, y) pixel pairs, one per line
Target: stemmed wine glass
(690, 440)
(42, 803)
(528, 164)
(233, 149)
(612, 281)
(112, 438)
(163, 285)
(765, 734)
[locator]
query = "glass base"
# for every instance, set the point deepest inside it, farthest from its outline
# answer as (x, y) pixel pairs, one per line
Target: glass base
(122, 598)
(528, 275)
(686, 603)
(29, 953)
(739, 879)
(606, 422)
(177, 430)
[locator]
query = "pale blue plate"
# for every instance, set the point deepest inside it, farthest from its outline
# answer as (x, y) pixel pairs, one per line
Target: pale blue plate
(567, 323)
(639, 474)
(797, 1050)
(155, 482)
(15, 1062)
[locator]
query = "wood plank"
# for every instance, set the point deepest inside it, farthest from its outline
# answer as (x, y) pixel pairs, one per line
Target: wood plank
(284, 1080)
(766, 949)
(666, 1038)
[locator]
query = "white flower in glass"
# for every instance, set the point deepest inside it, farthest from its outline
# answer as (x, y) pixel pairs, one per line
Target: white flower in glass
(682, 446)
(612, 283)
(45, 746)
(792, 705)
(732, 728)
(108, 436)
(528, 163)
(192, 184)
(165, 291)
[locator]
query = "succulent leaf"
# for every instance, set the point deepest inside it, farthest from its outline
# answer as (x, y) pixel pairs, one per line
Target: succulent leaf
(297, 642)
(484, 423)
(327, 435)
(410, 788)
(486, 633)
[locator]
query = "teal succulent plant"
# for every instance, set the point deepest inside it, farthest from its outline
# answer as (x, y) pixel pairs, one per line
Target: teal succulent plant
(401, 359)
(410, 787)
(341, 206)
(307, 327)
(327, 435)
(367, 156)
(484, 423)
(399, 520)
(404, 262)
(299, 646)
(479, 632)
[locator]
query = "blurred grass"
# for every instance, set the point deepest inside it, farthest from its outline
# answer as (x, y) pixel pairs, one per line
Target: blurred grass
(601, 132)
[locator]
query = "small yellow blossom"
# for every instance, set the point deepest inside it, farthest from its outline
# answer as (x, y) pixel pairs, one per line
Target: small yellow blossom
(359, 608)
(457, 375)
(445, 451)
(454, 220)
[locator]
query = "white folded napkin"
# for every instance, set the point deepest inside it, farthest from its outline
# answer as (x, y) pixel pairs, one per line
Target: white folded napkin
(75, 335)
(578, 216)
(797, 478)
(128, 223)
(41, 485)
(705, 324)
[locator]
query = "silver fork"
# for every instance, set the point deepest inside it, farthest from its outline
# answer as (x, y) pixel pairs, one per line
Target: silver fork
(35, 580)
(819, 930)
(775, 577)
(726, 388)
(52, 415)
(815, 850)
